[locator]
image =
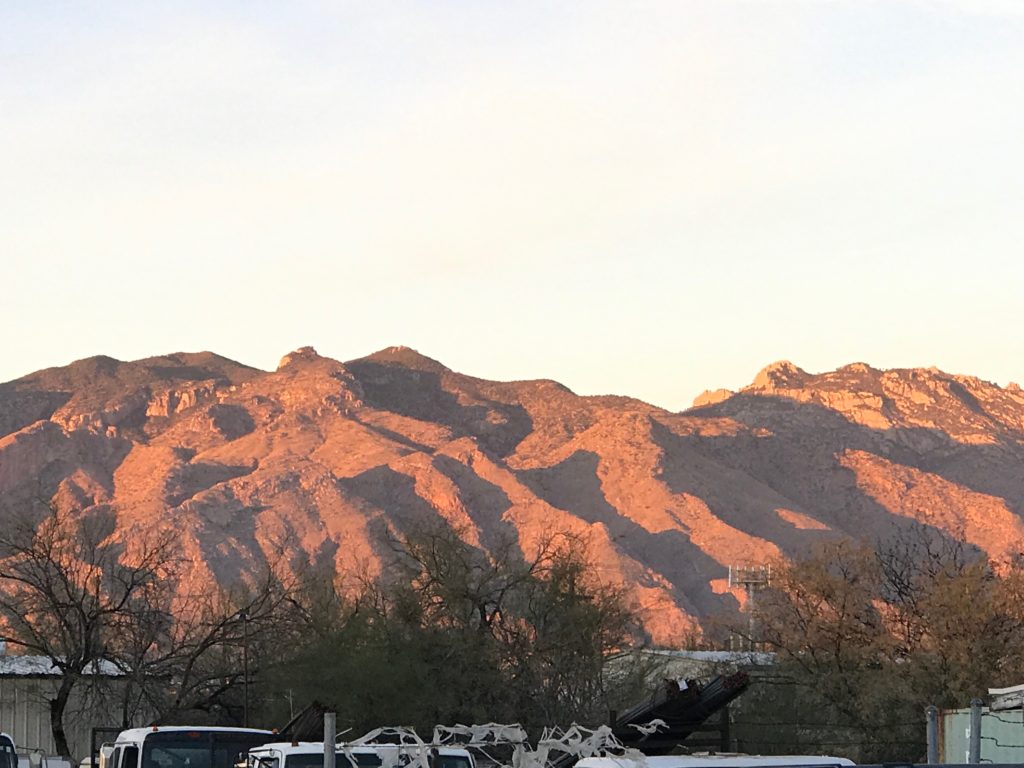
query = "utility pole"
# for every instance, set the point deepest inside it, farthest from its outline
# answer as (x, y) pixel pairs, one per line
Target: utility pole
(245, 668)
(974, 743)
(330, 738)
(932, 715)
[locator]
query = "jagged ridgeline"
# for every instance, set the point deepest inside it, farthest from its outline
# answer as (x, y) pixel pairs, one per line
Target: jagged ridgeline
(320, 456)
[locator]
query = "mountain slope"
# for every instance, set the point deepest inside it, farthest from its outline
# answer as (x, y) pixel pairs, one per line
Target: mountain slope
(319, 457)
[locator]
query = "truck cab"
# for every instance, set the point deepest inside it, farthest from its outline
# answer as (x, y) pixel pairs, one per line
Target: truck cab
(182, 746)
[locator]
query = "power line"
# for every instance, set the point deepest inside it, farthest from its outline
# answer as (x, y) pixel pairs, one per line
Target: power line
(741, 723)
(830, 742)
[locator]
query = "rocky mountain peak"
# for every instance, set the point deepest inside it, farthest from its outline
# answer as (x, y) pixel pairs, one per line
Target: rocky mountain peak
(406, 357)
(858, 368)
(779, 375)
(711, 397)
(302, 354)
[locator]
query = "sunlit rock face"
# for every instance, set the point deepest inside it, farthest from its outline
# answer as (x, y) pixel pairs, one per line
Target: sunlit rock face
(315, 461)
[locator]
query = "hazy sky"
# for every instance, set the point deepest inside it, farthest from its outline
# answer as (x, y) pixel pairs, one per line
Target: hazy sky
(640, 198)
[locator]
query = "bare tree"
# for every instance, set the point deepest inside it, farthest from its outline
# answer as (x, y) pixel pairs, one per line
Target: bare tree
(869, 635)
(570, 624)
(199, 655)
(64, 582)
(459, 585)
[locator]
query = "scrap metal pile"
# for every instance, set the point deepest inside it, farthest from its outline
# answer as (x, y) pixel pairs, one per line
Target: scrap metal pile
(502, 746)
(656, 726)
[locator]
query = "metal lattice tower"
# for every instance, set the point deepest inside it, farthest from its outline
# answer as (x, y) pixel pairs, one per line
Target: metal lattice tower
(753, 579)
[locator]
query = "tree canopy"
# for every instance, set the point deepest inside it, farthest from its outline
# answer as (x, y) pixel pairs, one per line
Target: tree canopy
(868, 635)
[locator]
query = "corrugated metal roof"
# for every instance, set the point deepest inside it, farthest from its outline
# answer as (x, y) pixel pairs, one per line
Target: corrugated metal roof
(756, 658)
(42, 666)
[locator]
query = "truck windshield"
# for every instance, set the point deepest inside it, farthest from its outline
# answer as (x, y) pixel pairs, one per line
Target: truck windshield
(198, 749)
(316, 760)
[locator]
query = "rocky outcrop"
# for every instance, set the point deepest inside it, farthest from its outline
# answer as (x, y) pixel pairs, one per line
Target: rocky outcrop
(315, 459)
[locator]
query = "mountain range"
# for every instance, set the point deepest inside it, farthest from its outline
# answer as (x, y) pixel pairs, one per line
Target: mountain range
(320, 456)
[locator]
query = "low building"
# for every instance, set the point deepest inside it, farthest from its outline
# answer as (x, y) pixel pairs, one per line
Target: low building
(27, 683)
(698, 664)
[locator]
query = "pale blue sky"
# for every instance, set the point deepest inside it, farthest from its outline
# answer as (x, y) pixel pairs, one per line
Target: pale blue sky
(639, 198)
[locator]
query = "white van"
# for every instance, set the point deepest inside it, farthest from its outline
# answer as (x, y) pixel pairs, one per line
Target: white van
(310, 754)
(717, 761)
(182, 746)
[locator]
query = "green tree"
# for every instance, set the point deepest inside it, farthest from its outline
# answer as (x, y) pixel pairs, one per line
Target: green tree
(459, 634)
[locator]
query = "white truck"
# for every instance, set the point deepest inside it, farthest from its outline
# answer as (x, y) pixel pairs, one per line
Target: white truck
(310, 754)
(182, 746)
